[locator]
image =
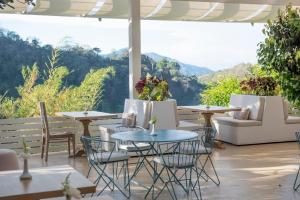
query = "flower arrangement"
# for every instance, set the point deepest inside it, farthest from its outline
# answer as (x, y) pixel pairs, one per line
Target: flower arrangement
(69, 191)
(262, 86)
(152, 88)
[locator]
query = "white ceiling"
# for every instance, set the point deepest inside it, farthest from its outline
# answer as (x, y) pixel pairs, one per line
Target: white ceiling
(182, 10)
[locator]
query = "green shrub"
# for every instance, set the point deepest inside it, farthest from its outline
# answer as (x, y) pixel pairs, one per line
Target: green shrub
(219, 93)
(261, 86)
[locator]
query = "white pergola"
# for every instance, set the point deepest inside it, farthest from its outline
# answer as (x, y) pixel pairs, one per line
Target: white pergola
(258, 11)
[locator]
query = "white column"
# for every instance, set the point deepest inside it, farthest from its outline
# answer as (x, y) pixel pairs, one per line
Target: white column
(134, 45)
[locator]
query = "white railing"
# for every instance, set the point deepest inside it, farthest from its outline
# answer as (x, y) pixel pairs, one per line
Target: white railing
(12, 130)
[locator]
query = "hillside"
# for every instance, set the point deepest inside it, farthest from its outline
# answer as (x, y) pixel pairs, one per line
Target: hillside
(185, 69)
(240, 70)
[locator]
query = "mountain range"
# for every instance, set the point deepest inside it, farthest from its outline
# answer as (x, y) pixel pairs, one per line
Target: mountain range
(185, 69)
(204, 74)
(241, 70)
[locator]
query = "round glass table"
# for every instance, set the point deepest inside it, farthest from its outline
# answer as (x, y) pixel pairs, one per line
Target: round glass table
(160, 136)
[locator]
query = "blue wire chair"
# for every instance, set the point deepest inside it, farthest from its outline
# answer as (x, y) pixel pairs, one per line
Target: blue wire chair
(173, 160)
(208, 136)
(99, 159)
(296, 179)
(139, 149)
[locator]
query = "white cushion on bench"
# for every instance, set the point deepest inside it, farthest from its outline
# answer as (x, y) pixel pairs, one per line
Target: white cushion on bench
(229, 121)
(292, 120)
(190, 126)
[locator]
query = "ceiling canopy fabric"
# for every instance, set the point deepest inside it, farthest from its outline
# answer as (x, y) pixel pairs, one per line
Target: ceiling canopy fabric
(179, 10)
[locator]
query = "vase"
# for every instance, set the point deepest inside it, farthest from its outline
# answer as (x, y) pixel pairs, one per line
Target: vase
(25, 175)
(153, 133)
(68, 197)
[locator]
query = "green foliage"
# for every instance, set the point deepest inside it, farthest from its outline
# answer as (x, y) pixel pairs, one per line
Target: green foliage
(219, 93)
(51, 90)
(281, 51)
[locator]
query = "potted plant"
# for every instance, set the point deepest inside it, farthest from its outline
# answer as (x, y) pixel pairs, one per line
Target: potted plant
(151, 88)
(156, 92)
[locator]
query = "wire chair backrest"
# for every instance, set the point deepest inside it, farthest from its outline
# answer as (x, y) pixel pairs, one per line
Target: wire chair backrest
(298, 137)
(176, 154)
(94, 148)
(209, 137)
(44, 119)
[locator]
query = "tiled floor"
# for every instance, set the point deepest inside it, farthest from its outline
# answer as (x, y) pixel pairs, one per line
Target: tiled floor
(247, 172)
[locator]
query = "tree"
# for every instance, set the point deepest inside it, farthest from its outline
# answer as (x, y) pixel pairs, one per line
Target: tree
(280, 51)
(49, 87)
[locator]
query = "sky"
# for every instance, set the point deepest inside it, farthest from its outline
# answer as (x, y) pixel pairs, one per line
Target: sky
(213, 45)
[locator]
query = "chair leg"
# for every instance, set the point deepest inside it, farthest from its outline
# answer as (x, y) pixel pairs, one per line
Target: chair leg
(296, 179)
(69, 148)
(73, 145)
(43, 147)
(47, 149)
(217, 182)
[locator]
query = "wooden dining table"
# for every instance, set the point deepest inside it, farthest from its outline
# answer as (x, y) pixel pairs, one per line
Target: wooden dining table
(207, 112)
(86, 118)
(46, 182)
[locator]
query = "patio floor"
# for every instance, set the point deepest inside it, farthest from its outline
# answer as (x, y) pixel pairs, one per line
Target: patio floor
(246, 172)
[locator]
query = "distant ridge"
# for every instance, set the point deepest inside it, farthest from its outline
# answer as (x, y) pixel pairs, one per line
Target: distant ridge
(241, 70)
(186, 69)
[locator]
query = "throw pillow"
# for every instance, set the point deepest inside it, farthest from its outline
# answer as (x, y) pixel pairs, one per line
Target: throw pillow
(242, 115)
(128, 119)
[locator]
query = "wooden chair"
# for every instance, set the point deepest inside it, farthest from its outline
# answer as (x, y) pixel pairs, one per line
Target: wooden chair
(54, 137)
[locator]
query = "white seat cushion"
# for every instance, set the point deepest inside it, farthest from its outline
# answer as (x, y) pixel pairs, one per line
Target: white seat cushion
(177, 161)
(187, 149)
(134, 148)
(106, 157)
(8, 160)
(292, 120)
(185, 125)
(229, 121)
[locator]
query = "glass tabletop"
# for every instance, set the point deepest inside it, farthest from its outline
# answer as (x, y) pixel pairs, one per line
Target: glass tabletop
(161, 136)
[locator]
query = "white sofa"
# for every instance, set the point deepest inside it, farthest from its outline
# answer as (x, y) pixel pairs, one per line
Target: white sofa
(268, 122)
